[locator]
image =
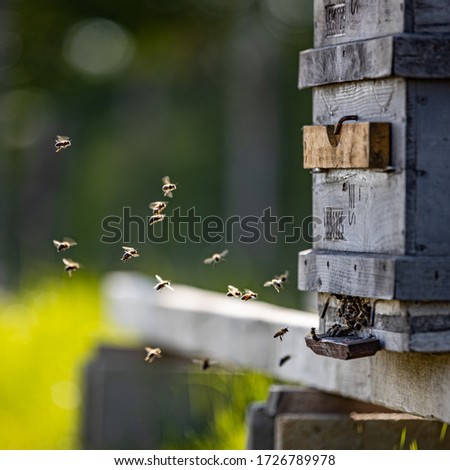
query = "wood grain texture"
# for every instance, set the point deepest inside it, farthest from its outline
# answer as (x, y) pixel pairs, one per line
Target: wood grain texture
(359, 210)
(360, 145)
(364, 19)
(343, 348)
(413, 278)
(381, 100)
(406, 55)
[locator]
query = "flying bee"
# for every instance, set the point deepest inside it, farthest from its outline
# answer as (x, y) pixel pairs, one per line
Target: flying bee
(64, 245)
(62, 142)
(71, 266)
(234, 292)
(249, 295)
(283, 278)
(281, 333)
(204, 363)
(162, 283)
(155, 218)
(283, 360)
(129, 253)
(157, 207)
(168, 187)
(216, 258)
(152, 354)
(276, 283)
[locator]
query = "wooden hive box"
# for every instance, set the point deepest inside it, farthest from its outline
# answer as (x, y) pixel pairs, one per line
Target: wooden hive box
(381, 225)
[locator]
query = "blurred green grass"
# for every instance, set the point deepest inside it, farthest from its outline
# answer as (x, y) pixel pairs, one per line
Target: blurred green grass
(49, 331)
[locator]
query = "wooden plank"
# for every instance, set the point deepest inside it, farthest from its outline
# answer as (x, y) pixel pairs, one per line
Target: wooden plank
(400, 326)
(192, 321)
(381, 100)
(359, 210)
(361, 145)
(362, 275)
(429, 137)
(346, 62)
(338, 21)
(343, 348)
(413, 278)
(406, 55)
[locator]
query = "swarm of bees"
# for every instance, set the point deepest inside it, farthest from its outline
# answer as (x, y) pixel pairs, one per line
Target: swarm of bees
(216, 258)
(354, 314)
(62, 142)
(152, 354)
(158, 208)
(281, 333)
(129, 253)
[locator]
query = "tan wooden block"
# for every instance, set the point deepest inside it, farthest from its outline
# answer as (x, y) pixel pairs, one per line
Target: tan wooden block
(360, 145)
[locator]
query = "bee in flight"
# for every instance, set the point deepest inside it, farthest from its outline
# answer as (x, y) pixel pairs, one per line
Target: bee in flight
(71, 266)
(281, 333)
(62, 142)
(283, 360)
(249, 295)
(276, 283)
(129, 253)
(157, 207)
(234, 292)
(152, 354)
(168, 187)
(283, 278)
(204, 363)
(162, 283)
(155, 218)
(216, 258)
(64, 245)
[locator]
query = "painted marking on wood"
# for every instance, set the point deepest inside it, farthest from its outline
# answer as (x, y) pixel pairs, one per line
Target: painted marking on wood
(335, 20)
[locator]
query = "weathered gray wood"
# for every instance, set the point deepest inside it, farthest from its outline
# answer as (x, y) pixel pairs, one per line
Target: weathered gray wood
(429, 139)
(359, 210)
(361, 19)
(371, 100)
(379, 276)
(344, 348)
(421, 149)
(399, 325)
(191, 322)
(406, 55)
(337, 21)
(362, 275)
(316, 431)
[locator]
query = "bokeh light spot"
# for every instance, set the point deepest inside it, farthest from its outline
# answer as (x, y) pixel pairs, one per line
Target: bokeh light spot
(98, 47)
(66, 395)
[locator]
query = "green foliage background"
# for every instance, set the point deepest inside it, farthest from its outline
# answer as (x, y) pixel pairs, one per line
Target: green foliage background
(168, 111)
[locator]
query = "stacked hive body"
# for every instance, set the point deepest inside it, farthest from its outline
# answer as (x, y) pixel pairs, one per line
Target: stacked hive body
(381, 183)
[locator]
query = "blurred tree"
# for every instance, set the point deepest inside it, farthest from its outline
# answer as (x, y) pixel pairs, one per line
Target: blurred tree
(201, 90)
